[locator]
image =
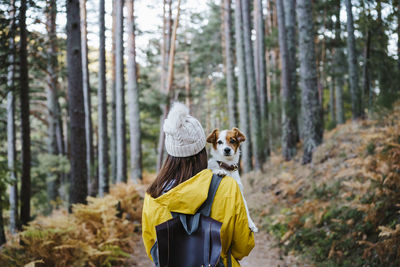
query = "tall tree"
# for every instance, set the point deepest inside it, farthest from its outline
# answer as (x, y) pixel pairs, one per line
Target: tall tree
(398, 34)
(78, 179)
(230, 86)
(261, 77)
(169, 83)
(53, 117)
(25, 124)
(11, 148)
(338, 67)
(166, 48)
(355, 92)
(288, 110)
(133, 90)
(255, 129)
(92, 181)
(311, 107)
(120, 94)
(102, 107)
(113, 137)
(289, 7)
(188, 100)
(243, 108)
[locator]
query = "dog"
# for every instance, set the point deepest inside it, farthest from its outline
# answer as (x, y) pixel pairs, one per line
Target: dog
(225, 159)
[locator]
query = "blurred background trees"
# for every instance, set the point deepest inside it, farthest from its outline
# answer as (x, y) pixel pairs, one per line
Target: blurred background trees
(280, 70)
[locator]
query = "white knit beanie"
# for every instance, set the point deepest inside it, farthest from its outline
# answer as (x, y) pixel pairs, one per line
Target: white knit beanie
(184, 135)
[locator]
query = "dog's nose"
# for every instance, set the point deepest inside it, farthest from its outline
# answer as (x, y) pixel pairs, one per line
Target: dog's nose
(227, 150)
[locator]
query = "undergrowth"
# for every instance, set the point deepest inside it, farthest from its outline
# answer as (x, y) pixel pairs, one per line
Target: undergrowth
(97, 234)
(343, 209)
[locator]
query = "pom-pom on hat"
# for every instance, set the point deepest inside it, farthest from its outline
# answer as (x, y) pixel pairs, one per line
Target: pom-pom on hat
(184, 135)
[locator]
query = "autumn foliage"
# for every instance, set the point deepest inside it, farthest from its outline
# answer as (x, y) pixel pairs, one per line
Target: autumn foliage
(101, 233)
(343, 209)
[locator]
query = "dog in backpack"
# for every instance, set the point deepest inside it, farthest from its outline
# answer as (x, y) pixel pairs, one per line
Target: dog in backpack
(225, 159)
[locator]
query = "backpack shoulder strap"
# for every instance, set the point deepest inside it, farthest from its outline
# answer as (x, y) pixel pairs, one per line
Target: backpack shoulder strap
(205, 208)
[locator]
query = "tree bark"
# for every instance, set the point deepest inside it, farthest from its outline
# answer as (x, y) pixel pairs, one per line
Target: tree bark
(398, 35)
(134, 115)
(167, 26)
(2, 234)
(169, 82)
(120, 94)
(91, 172)
(187, 81)
(338, 66)
(243, 108)
(311, 107)
(25, 124)
(78, 182)
(356, 105)
(113, 137)
(230, 86)
(366, 82)
(11, 148)
(53, 116)
(288, 110)
(289, 7)
(255, 129)
(261, 77)
(102, 107)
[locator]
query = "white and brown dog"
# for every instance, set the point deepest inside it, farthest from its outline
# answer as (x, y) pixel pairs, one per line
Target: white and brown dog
(225, 158)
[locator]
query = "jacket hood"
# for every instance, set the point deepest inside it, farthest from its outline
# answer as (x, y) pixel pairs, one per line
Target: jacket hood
(188, 196)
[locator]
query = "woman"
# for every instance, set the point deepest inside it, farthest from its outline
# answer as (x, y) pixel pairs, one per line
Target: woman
(182, 186)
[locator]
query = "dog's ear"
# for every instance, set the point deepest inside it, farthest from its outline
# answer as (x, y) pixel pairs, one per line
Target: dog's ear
(212, 138)
(239, 135)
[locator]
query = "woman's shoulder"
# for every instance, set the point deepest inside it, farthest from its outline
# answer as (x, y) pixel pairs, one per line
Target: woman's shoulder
(229, 186)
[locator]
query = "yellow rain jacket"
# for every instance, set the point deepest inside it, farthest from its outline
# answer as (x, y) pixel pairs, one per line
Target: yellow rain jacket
(187, 197)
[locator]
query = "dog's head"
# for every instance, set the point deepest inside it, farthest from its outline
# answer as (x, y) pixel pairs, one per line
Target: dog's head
(226, 142)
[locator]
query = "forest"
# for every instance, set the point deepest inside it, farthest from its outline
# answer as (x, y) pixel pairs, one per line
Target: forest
(85, 87)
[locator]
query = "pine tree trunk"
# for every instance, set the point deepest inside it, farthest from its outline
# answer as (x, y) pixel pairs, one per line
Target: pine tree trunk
(2, 234)
(92, 179)
(11, 147)
(332, 102)
(243, 108)
(337, 67)
(78, 182)
(289, 7)
(398, 35)
(355, 92)
(113, 137)
(102, 107)
(311, 107)
(25, 124)
(261, 77)
(366, 83)
(169, 82)
(187, 81)
(133, 90)
(230, 86)
(255, 129)
(167, 26)
(53, 117)
(288, 111)
(120, 94)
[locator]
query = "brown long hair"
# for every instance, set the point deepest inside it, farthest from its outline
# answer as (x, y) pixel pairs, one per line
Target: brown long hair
(178, 170)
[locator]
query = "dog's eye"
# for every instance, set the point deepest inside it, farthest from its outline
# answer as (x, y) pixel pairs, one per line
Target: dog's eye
(232, 141)
(219, 142)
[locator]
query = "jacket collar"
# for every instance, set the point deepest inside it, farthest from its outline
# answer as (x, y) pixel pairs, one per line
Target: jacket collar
(188, 196)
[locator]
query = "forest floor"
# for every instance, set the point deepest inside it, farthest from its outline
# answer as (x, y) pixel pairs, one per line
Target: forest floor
(340, 210)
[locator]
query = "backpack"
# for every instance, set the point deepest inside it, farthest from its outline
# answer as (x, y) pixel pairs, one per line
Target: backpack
(190, 240)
